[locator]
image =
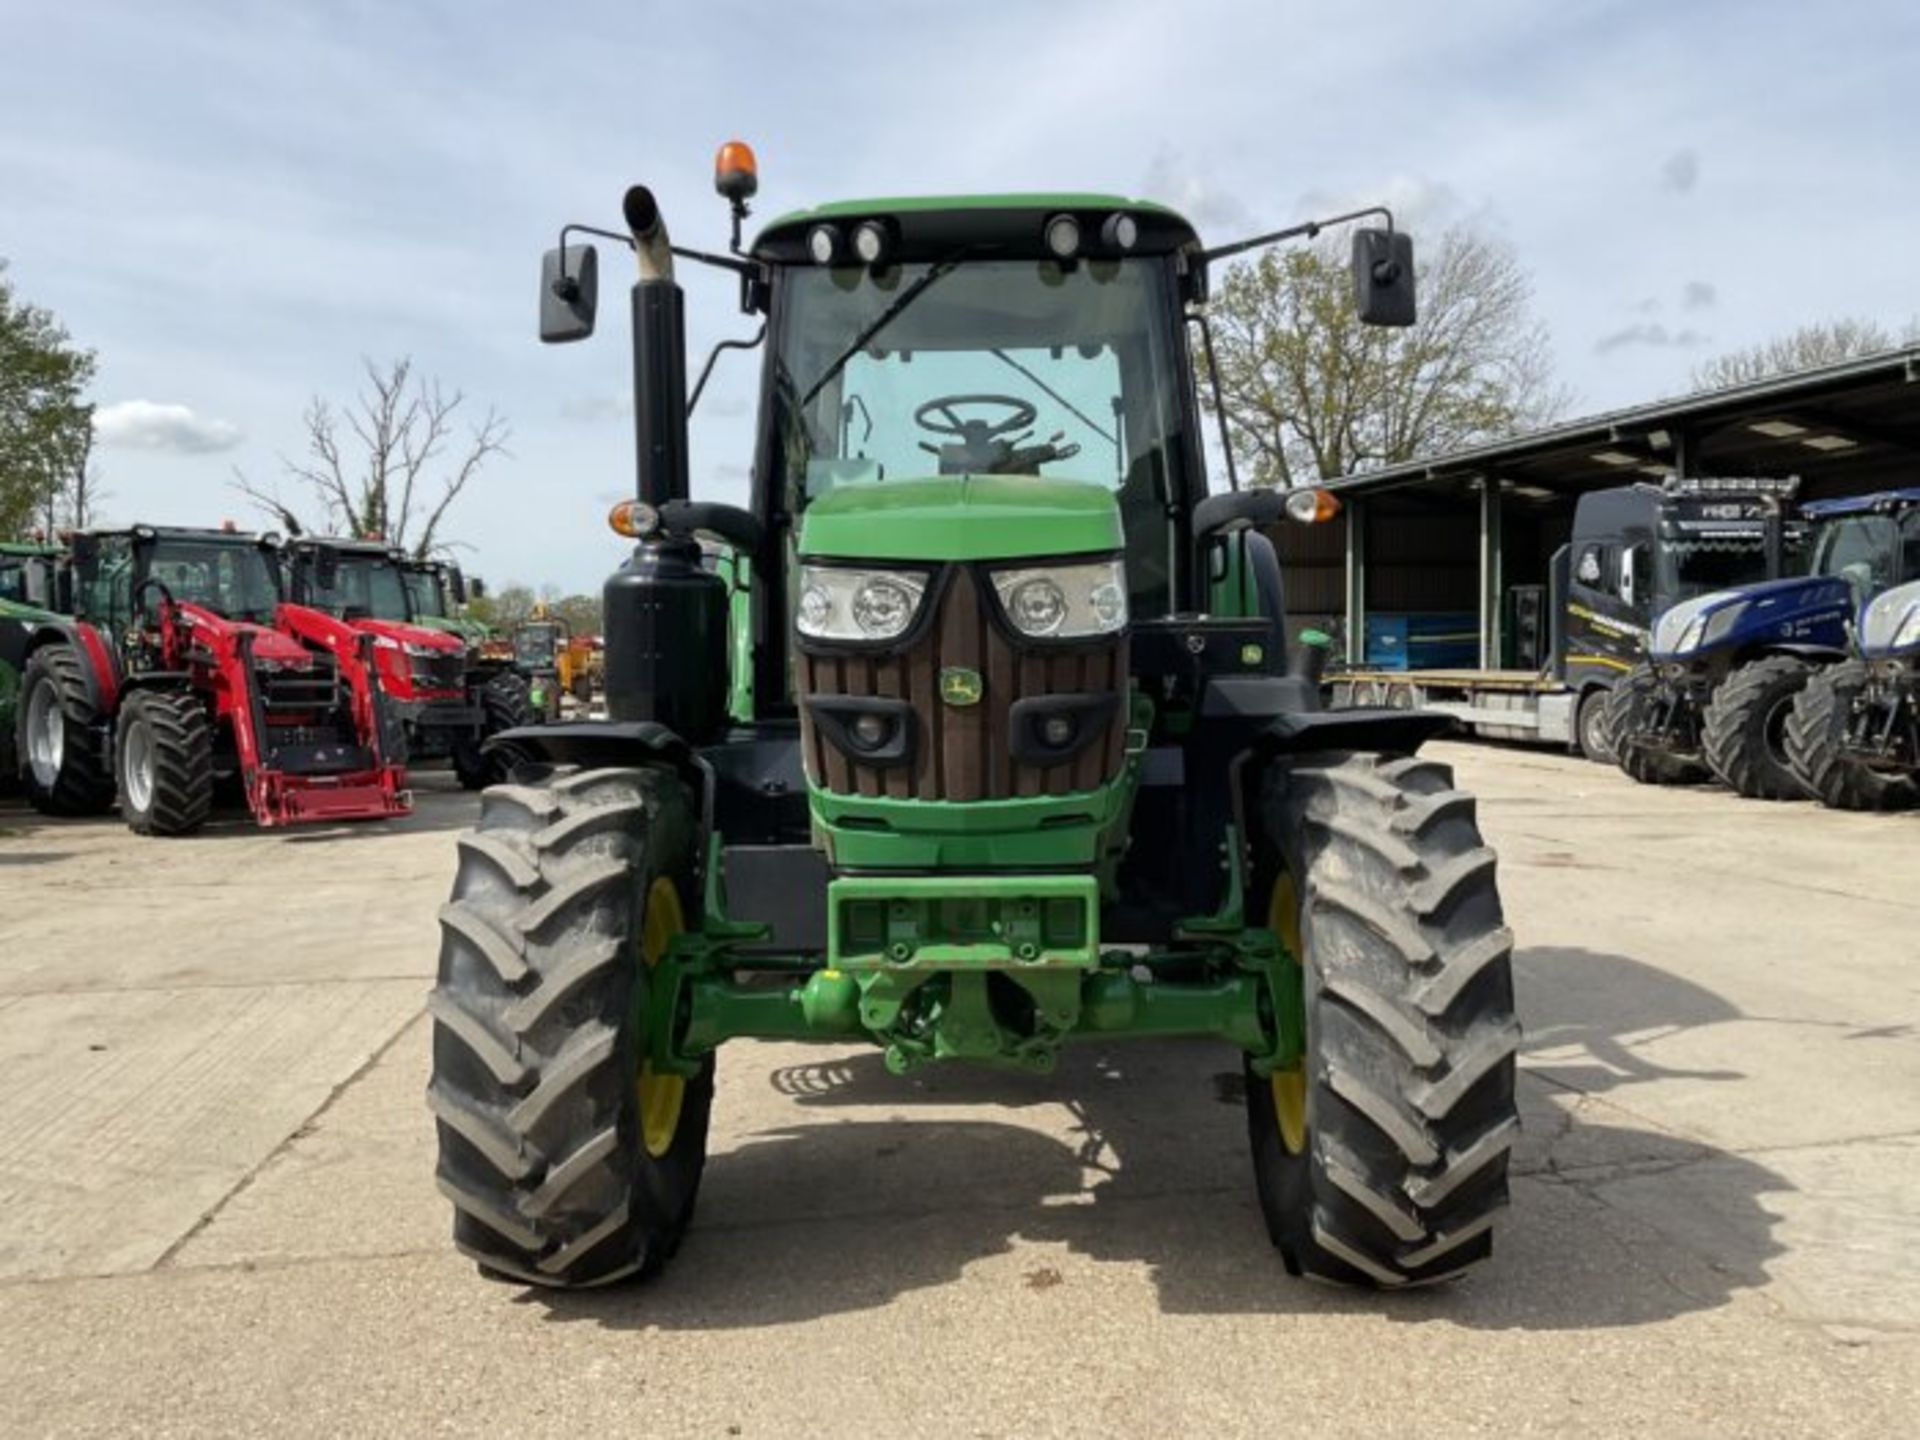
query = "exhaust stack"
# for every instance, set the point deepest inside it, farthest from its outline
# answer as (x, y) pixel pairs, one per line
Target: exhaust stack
(659, 356)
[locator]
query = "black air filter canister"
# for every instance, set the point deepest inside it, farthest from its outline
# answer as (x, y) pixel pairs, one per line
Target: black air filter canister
(666, 638)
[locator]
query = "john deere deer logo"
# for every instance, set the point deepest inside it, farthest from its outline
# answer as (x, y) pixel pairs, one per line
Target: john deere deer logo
(961, 686)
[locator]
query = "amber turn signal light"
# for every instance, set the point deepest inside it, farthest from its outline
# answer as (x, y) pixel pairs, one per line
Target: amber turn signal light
(634, 519)
(1312, 506)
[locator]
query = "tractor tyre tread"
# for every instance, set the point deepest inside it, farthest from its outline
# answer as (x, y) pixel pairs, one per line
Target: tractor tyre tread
(1815, 734)
(1734, 731)
(504, 706)
(1648, 767)
(1411, 1034)
(84, 785)
(535, 1056)
(182, 742)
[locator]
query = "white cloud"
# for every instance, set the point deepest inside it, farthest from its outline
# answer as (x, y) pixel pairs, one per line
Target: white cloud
(1655, 335)
(151, 425)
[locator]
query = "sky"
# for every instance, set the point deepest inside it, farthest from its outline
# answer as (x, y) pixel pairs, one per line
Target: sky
(237, 204)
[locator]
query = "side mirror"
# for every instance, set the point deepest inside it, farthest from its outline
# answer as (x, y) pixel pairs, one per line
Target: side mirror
(569, 293)
(62, 590)
(465, 589)
(1626, 573)
(85, 550)
(1383, 277)
(326, 567)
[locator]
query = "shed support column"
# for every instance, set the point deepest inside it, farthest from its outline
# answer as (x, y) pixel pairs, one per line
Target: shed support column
(1491, 580)
(1356, 512)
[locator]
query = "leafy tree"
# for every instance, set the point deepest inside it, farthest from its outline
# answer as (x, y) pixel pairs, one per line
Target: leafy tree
(1311, 394)
(387, 465)
(46, 426)
(1825, 342)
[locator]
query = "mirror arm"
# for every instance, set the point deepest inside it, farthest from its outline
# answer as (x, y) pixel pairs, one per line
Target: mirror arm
(1306, 231)
(713, 355)
(700, 257)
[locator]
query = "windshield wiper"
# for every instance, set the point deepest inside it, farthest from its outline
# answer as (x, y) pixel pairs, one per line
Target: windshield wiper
(880, 322)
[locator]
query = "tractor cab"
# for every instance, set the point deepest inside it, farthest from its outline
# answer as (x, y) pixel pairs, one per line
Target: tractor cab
(349, 579)
(1870, 541)
(29, 576)
(121, 577)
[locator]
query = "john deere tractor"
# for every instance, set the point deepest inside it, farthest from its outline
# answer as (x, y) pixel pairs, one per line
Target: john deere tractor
(1020, 759)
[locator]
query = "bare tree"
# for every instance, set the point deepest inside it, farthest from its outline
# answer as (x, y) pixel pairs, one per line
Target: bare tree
(1822, 343)
(1310, 393)
(388, 464)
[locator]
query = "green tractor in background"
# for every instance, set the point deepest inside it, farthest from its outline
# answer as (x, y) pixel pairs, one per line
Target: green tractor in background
(28, 598)
(988, 739)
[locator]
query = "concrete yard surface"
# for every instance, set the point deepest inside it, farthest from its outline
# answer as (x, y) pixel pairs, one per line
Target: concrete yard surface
(220, 1216)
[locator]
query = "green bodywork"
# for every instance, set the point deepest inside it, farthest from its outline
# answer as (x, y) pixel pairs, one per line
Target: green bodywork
(17, 616)
(971, 931)
(972, 517)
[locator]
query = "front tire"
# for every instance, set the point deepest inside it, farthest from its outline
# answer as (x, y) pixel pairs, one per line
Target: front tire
(163, 751)
(1816, 746)
(1627, 703)
(568, 1161)
(58, 737)
(1382, 1159)
(1744, 730)
(504, 705)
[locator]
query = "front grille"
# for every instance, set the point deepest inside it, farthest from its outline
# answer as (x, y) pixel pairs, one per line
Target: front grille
(965, 752)
(439, 672)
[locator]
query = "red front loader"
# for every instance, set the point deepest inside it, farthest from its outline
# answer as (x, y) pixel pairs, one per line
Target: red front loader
(179, 670)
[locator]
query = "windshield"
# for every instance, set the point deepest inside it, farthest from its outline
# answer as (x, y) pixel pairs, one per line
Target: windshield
(365, 587)
(1001, 367)
(1860, 549)
(231, 578)
(423, 594)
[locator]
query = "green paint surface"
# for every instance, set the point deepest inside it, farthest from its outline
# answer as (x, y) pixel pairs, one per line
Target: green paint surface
(963, 517)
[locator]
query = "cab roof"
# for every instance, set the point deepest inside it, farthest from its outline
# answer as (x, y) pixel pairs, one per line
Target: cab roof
(1861, 504)
(931, 226)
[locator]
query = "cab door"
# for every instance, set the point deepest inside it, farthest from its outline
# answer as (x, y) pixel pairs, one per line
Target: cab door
(1609, 596)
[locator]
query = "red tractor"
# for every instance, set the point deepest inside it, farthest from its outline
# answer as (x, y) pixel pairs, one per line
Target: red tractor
(447, 707)
(181, 667)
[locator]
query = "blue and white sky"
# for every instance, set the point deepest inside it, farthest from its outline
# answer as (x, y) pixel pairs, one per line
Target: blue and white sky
(234, 202)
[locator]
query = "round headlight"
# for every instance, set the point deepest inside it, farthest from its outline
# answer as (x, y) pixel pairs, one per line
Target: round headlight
(1109, 604)
(1037, 606)
(823, 243)
(870, 242)
(882, 608)
(815, 606)
(1063, 236)
(1120, 232)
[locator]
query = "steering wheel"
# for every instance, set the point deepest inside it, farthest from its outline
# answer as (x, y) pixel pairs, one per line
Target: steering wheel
(974, 432)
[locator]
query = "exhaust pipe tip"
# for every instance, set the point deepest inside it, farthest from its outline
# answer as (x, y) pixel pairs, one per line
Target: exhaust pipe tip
(650, 248)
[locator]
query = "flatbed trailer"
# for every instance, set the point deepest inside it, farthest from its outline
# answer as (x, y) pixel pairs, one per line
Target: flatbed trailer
(1535, 706)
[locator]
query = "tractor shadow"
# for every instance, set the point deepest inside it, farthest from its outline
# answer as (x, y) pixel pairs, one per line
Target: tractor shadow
(1136, 1154)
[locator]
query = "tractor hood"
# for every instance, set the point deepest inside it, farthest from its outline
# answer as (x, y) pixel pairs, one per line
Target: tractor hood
(1890, 623)
(400, 633)
(962, 517)
(1799, 610)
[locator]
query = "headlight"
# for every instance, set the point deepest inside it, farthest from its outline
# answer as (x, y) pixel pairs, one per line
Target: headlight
(1065, 601)
(1719, 624)
(836, 604)
(424, 652)
(1909, 632)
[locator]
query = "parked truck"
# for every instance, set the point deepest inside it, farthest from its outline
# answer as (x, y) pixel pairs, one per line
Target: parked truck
(1635, 551)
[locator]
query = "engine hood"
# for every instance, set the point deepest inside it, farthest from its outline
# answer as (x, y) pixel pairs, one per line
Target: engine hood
(267, 642)
(962, 517)
(1801, 609)
(1890, 623)
(401, 633)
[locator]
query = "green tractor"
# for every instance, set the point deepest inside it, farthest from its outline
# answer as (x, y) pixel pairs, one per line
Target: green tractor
(28, 585)
(1023, 758)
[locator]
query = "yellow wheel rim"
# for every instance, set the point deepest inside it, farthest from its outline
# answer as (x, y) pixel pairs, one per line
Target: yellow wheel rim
(1289, 1086)
(661, 1096)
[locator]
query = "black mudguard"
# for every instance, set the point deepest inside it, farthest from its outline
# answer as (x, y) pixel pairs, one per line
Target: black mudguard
(597, 742)
(1388, 732)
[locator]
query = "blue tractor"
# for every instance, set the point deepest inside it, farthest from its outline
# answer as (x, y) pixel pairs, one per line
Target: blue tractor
(1724, 668)
(1853, 738)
